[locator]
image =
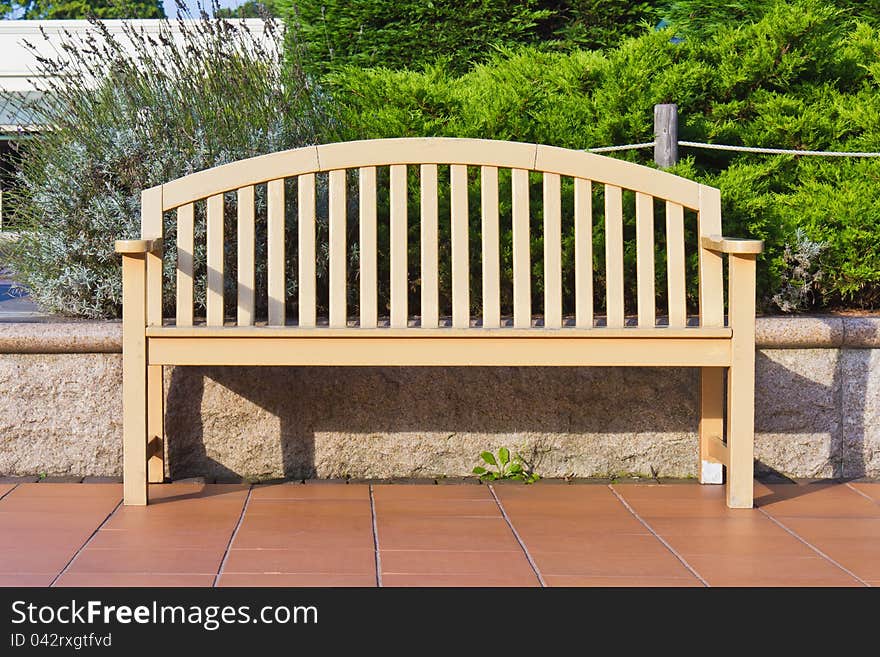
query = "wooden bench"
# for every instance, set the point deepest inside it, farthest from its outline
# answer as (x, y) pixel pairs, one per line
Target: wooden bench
(427, 339)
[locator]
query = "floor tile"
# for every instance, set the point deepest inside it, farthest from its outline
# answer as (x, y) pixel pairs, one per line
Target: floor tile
(26, 579)
(5, 488)
(145, 522)
(620, 581)
(68, 491)
(857, 555)
(285, 508)
(133, 560)
(304, 539)
(427, 492)
(445, 533)
(35, 559)
(356, 524)
(337, 561)
(870, 489)
(751, 525)
(591, 541)
(185, 491)
(38, 538)
(440, 562)
(576, 525)
(326, 580)
(816, 500)
(779, 544)
(659, 563)
(812, 529)
(179, 540)
(134, 580)
(721, 570)
(296, 491)
(689, 490)
(461, 581)
(438, 508)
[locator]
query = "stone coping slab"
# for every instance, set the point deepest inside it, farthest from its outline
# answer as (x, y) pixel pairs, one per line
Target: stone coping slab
(773, 332)
(61, 337)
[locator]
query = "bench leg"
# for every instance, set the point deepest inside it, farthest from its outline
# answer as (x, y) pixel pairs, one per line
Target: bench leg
(741, 384)
(134, 382)
(741, 437)
(711, 422)
(155, 425)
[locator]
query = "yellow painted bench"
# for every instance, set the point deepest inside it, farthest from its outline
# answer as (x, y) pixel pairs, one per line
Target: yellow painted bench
(405, 338)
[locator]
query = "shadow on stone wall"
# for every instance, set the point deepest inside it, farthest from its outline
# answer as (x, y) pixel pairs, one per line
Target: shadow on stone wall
(233, 422)
(859, 412)
(812, 417)
(811, 409)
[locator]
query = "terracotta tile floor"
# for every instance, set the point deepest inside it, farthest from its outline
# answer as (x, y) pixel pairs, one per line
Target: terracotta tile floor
(323, 534)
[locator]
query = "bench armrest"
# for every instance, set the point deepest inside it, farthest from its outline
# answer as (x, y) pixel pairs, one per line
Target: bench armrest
(733, 245)
(133, 247)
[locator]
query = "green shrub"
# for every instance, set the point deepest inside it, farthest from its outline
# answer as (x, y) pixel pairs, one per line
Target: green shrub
(701, 18)
(123, 122)
(802, 76)
(411, 33)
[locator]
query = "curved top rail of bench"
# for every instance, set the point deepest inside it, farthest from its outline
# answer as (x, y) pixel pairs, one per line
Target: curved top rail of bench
(429, 150)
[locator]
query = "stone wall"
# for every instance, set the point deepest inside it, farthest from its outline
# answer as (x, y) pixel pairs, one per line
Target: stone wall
(817, 411)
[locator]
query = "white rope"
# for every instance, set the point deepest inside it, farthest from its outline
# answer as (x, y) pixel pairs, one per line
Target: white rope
(625, 147)
(774, 151)
(739, 149)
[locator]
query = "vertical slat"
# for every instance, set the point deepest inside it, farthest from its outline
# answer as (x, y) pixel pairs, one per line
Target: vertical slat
(337, 249)
(398, 245)
(522, 291)
(246, 296)
(490, 245)
(367, 241)
(711, 282)
(428, 184)
(184, 301)
(675, 265)
(275, 252)
(614, 256)
(552, 252)
(215, 260)
(459, 221)
(583, 253)
(306, 255)
(645, 259)
(151, 228)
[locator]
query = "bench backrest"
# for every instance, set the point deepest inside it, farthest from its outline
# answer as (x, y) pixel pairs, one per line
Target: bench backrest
(425, 158)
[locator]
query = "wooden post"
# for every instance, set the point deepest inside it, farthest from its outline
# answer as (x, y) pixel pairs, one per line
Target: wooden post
(666, 134)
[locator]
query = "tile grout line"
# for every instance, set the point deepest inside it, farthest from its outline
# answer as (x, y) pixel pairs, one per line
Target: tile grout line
(86, 544)
(375, 539)
(518, 538)
(813, 547)
(244, 507)
(665, 543)
(9, 491)
(858, 492)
